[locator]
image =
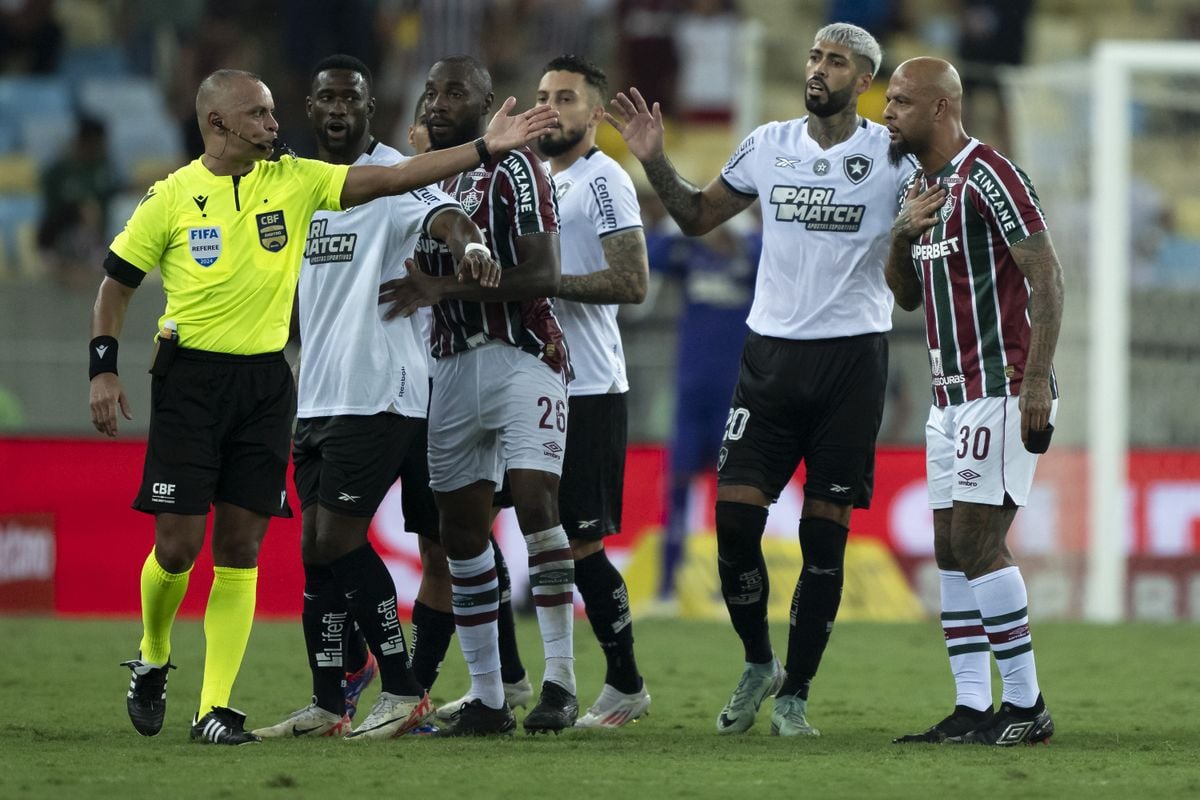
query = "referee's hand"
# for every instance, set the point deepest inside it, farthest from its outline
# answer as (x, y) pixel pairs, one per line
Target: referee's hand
(106, 396)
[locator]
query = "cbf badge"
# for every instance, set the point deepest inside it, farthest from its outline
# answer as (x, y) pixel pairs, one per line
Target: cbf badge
(205, 245)
(272, 231)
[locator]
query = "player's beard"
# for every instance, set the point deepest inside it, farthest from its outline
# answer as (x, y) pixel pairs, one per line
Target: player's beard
(834, 103)
(897, 150)
(551, 146)
(460, 134)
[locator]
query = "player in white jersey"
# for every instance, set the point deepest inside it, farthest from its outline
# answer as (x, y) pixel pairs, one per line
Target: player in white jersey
(972, 246)
(362, 399)
(604, 264)
(814, 367)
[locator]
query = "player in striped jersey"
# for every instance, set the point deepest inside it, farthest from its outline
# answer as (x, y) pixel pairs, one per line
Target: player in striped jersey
(972, 246)
(499, 403)
(362, 399)
(814, 367)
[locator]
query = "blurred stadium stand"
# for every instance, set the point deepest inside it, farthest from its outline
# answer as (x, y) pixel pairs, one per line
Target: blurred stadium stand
(44, 325)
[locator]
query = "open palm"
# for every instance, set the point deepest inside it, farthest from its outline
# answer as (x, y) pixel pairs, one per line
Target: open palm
(640, 125)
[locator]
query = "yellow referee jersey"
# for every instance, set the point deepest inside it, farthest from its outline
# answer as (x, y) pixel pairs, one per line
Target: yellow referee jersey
(230, 248)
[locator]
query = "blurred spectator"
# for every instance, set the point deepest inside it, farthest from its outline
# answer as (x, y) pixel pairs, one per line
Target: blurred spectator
(227, 36)
(73, 233)
(880, 17)
(417, 34)
(991, 34)
(706, 39)
(717, 272)
(646, 53)
(153, 32)
(30, 38)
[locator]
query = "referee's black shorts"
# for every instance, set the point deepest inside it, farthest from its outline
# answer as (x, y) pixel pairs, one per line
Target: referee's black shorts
(593, 474)
(820, 401)
(348, 463)
(220, 430)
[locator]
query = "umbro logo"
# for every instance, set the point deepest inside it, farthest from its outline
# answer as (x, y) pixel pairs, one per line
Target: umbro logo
(349, 498)
(1015, 733)
(969, 475)
(101, 349)
(837, 488)
(201, 201)
(552, 449)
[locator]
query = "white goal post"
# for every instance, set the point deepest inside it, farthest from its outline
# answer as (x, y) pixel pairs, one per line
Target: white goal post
(1113, 63)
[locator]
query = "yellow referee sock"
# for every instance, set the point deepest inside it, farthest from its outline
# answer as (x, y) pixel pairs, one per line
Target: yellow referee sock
(227, 622)
(162, 592)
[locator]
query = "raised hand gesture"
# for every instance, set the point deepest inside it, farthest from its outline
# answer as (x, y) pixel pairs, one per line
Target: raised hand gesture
(641, 126)
(506, 132)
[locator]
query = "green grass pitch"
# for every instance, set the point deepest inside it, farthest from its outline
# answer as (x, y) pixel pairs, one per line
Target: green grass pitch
(1124, 698)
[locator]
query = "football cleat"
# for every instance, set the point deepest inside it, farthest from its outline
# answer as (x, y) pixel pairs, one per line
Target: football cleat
(557, 709)
(614, 709)
(963, 719)
(758, 682)
(146, 699)
(394, 715)
(309, 721)
(357, 681)
(517, 695)
(476, 719)
(222, 726)
(788, 717)
(1012, 725)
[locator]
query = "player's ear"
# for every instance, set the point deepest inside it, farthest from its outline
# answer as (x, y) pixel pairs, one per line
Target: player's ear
(371, 108)
(308, 106)
(488, 99)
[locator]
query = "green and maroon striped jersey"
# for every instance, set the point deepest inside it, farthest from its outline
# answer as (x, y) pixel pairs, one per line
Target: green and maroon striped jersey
(976, 297)
(508, 199)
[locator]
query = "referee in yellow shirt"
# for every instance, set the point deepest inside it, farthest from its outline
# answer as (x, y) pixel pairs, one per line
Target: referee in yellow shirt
(228, 232)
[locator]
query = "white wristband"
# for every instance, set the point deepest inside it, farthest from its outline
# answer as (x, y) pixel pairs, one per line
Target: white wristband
(476, 246)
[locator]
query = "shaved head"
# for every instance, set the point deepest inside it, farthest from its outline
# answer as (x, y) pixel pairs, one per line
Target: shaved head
(933, 77)
(217, 88)
(924, 111)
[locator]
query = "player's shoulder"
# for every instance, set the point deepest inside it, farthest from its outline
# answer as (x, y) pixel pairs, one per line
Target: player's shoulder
(382, 155)
(989, 164)
(598, 164)
(519, 158)
(778, 131)
(177, 184)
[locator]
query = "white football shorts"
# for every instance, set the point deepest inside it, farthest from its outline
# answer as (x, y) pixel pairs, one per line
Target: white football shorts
(973, 453)
(494, 408)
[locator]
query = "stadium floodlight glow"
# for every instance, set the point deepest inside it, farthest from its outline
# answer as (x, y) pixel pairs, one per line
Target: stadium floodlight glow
(1113, 62)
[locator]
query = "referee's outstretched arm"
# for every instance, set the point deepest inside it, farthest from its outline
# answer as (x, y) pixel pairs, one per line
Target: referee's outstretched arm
(504, 132)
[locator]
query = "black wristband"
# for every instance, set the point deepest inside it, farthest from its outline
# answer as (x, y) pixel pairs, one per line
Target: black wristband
(102, 356)
(481, 149)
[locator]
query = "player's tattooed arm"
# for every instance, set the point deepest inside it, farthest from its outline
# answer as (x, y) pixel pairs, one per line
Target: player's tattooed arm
(918, 214)
(1036, 258)
(696, 212)
(623, 281)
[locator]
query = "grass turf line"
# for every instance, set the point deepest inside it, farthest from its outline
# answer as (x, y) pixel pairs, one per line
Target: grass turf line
(1119, 695)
